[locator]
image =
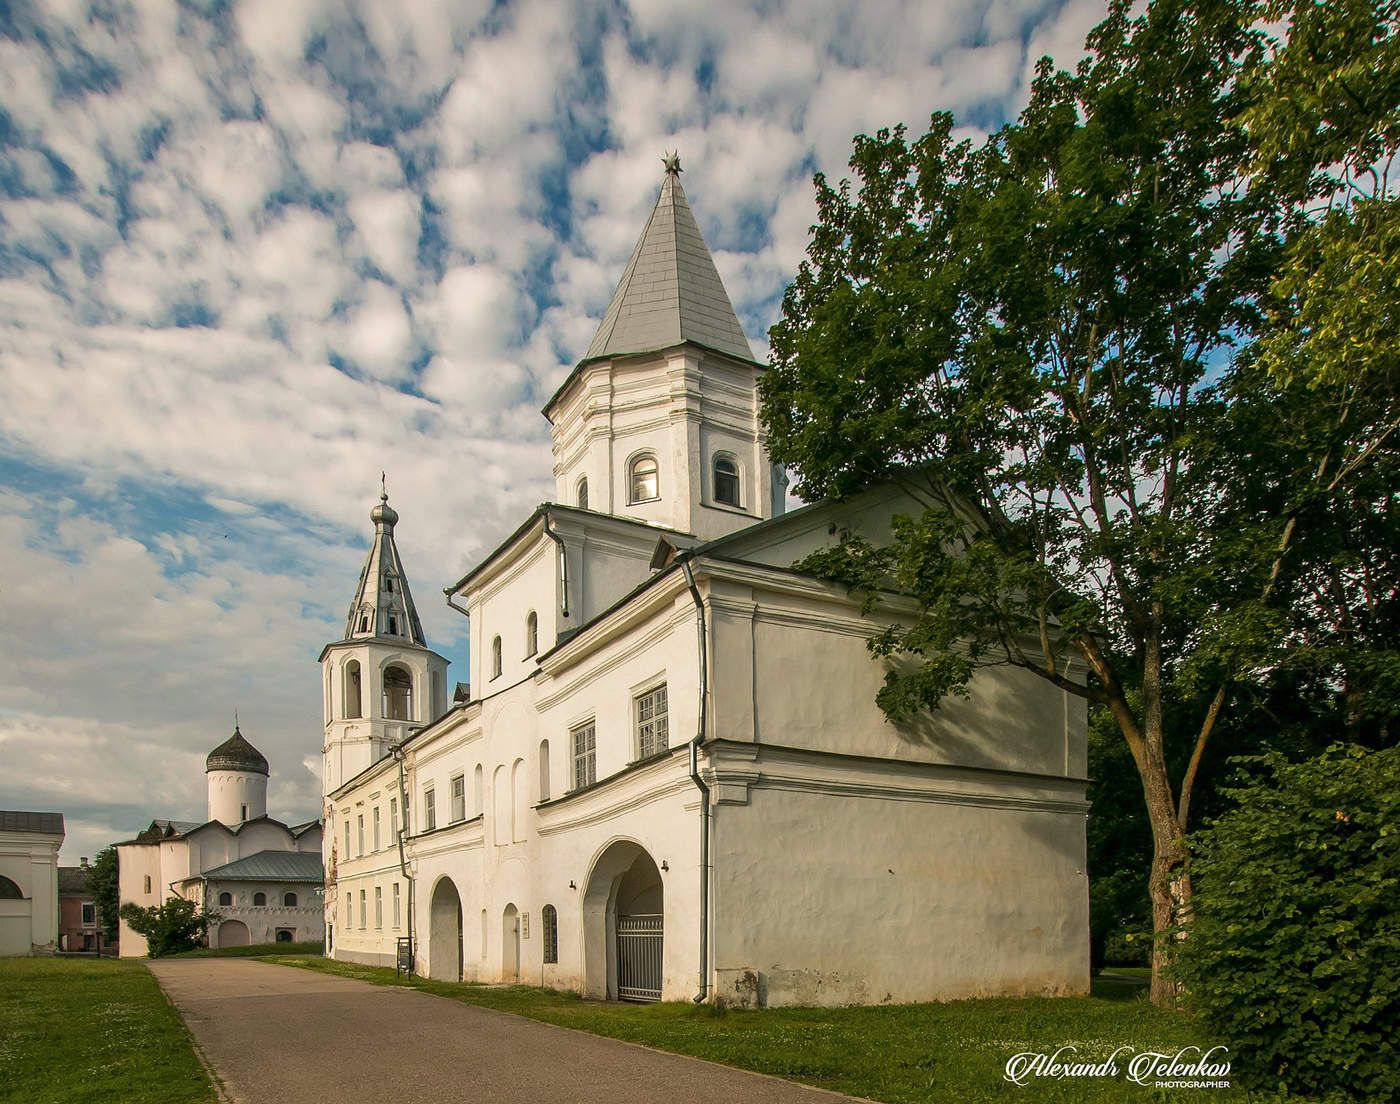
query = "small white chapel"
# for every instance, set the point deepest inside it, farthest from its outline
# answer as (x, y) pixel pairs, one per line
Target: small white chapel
(261, 877)
(666, 777)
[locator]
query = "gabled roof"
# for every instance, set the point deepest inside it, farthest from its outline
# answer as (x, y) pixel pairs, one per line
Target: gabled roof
(12, 820)
(270, 866)
(73, 880)
(383, 608)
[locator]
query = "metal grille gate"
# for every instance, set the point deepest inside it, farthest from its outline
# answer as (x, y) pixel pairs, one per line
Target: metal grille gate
(639, 958)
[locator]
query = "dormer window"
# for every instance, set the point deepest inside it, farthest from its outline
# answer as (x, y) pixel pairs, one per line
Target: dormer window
(496, 657)
(642, 480)
(583, 493)
(726, 481)
(532, 634)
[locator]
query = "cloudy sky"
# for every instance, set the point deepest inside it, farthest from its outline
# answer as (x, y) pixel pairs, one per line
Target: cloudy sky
(253, 252)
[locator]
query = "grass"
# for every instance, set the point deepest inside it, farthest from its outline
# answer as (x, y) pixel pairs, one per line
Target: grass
(99, 1031)
(255, 950)
(955, 1051)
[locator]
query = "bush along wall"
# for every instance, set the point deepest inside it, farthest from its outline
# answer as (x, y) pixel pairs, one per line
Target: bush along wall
(1293, 954)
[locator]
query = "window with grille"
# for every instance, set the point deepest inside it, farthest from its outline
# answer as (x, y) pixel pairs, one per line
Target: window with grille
(549, 921)
(429, 810)
(652, 728)
(726, 481)
(583, 494)
(495, 657)
(459, 798)
(585, 749)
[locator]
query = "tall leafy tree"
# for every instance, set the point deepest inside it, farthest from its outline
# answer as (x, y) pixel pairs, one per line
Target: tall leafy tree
(1122, 353)
(103, 883)
(1024, 333)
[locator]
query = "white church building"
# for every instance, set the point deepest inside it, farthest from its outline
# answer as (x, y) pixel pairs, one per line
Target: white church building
(261, 877)
(669, 778)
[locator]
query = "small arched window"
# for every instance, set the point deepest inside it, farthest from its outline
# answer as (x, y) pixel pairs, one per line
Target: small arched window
(726, 481)
(532, 634)
(398, 694)
(289, 900)
(642, 483)
(549, 919)
(583, 493)
(544, 770)
(478, 795)
(9, 891)
(495, 657)
(352, 689)
(225, 899)
(259, 899)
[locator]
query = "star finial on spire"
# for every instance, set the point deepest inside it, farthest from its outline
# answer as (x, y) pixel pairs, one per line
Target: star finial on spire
(672, 161)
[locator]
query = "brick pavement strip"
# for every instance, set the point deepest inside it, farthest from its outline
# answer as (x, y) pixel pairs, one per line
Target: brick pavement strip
(279, 1035)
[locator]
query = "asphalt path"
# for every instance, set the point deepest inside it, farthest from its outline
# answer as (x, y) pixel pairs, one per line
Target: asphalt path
(279, 1035)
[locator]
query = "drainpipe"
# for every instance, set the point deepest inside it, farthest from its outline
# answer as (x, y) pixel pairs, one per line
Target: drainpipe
(704, 790)
(563, 567)
(399, 756)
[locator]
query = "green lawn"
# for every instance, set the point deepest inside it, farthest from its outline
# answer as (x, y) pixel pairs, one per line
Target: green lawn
(926, 1052)
(92, 1031)
(255, 950)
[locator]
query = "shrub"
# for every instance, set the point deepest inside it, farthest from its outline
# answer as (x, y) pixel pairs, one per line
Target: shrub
(1293, 955)
(174, 926)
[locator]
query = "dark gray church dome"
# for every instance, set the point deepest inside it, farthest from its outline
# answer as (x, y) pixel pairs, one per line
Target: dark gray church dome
(236, 754)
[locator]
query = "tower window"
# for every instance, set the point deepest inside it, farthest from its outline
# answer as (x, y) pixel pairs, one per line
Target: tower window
(532, 634)
(726, 481)
(393, 625)
(364, 622)
(352, 688)
(244, 814)
(642, 480)
(388, 584)
(495, 657)
(583, 493)
(398, 694)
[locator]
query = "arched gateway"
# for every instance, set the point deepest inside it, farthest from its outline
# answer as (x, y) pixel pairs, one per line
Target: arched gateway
(445, 933)
(623, 912)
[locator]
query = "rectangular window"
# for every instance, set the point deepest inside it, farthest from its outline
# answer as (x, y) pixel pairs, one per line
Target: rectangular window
(652, 729)
(89, 913)
(396, 904)
(378, 908)
(148, 883)
(360, 833)
(347, 837)
(362, 910)
(394, 817)
(376, 827)
(349, 914)
(429, 810)
(459, 799)
(585, 746)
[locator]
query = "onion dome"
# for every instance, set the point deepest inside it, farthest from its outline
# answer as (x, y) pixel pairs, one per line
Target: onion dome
(236, 754)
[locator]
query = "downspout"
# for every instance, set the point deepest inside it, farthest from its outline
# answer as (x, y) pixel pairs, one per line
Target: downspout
(704, 789)
(399, 756)
(563, 567)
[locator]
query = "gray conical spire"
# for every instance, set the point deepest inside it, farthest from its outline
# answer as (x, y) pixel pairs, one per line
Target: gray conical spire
(670, 291)
(383, 607)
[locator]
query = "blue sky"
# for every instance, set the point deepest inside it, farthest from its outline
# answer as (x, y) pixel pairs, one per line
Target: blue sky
(253, 253)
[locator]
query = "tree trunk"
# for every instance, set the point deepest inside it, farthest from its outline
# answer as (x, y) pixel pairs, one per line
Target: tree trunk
(1170, 886)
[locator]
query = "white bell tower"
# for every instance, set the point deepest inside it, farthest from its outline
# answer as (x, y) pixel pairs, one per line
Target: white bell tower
(381, 681)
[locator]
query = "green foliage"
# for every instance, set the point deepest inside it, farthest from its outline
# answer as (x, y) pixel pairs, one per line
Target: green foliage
(102, 882)
(1294, 951)
(171, 927)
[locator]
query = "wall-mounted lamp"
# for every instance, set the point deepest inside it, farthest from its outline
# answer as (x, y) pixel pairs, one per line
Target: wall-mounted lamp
(665, 865)
(571, 884)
